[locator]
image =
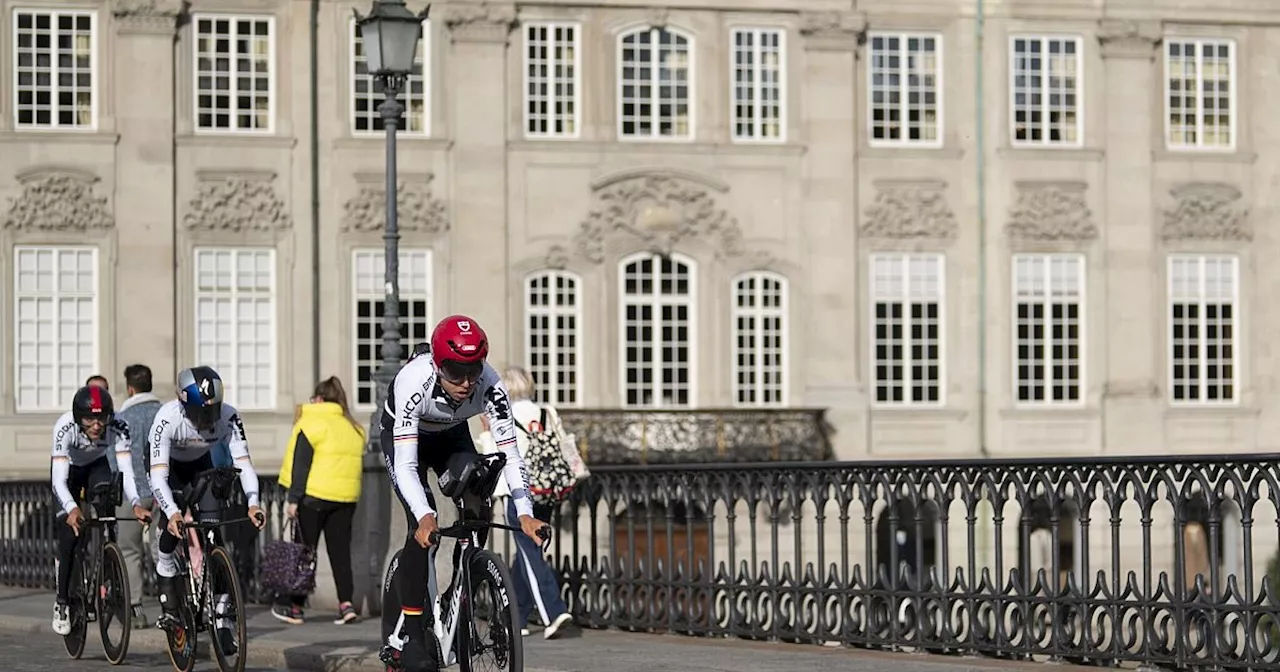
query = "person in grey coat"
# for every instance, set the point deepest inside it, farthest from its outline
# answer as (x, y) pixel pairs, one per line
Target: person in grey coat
(137, 411)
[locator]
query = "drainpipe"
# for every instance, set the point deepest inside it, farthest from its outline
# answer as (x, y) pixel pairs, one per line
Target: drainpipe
(315, 192)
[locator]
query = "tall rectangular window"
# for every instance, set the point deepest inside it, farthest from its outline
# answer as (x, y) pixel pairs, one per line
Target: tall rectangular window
(553, 339)
(907, 296)
(366, 92)
(905, 76)
(759, 344)
(55, 319)
(759, 94)
(1200, 86)
(235, 308)
(55, 68)
(1048, 290)
(234, 73)
(1046, 74)
(552, 80)
(655, 82)
(369, 274)
(1203, 291)
(657, 330)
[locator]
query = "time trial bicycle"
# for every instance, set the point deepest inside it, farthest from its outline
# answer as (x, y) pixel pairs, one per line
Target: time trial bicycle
(478, 600)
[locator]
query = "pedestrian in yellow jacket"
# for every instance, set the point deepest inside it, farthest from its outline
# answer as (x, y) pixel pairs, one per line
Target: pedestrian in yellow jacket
(322, 469)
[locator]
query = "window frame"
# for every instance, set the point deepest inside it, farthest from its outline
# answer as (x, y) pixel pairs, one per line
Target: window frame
(691, 45)
(425, 47)
(95, 87)
(579, 96)
(940, 262)
(15, 295)
(940, 89)
(782, 86)
(1233, 63)
(353, 391)
(273, 73)
(691, 300)
(578, 349)
(273, 377)
(1202, 382)
(1047, 301)
(1080, 88)
(759, 312)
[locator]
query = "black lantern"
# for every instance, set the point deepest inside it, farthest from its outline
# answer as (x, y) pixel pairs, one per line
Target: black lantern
(390, 34)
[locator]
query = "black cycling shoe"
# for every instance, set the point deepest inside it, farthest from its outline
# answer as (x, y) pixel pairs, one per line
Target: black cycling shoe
(170, 596)
(420, 653)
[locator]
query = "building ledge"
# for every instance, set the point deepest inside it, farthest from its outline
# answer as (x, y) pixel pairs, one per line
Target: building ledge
(59, 137)
(239, 140)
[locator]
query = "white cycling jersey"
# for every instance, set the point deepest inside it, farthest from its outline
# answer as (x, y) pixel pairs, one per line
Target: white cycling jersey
(416, 403)
(174, 437)
(72, 447)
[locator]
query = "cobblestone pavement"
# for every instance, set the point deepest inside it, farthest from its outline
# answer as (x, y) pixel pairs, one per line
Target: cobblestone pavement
(28, 652)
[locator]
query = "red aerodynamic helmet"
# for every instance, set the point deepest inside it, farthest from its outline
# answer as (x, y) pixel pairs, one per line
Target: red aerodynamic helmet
(459, 347)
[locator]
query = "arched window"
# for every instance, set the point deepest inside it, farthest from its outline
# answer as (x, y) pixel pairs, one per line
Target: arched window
(553, 342)
(655, 84)
(759, 339)
(658, 303)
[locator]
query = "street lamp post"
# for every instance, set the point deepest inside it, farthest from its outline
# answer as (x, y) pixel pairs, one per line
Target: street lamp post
(390, 34)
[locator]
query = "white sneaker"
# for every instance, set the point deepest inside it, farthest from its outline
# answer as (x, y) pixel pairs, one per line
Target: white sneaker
(555, 626)
(62, 619)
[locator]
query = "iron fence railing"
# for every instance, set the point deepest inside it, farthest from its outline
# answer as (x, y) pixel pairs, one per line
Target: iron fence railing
(1093, 561)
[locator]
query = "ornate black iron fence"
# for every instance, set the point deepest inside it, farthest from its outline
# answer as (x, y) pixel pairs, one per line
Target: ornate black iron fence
(1096, 561)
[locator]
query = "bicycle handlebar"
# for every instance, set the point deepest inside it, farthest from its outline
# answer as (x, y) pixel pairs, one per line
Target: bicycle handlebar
(464, 528)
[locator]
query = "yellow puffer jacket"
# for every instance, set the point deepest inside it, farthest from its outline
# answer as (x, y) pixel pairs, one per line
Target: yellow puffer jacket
(327, 464)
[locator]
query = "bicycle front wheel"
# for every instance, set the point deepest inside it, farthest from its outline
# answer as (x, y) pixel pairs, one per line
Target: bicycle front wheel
(226, 602)
(77, 606)
(113, 604)
(487, 635)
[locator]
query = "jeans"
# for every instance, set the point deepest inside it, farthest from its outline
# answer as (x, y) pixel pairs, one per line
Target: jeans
(536, 584)
(129, 539)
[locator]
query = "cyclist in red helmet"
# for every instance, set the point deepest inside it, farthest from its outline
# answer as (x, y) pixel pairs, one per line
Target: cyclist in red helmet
(424, 424)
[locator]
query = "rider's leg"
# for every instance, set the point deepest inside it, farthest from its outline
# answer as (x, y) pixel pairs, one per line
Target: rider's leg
(180, 476)
(420, 653)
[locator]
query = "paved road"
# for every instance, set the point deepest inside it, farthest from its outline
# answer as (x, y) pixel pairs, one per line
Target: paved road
(36, 652)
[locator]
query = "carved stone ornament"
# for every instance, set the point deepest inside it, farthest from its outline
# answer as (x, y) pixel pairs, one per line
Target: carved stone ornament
(416, 209)
(55, 202)
(482, 22)
(237, 204)
(1051, 211)
(146, 8)
(834, 27)
(1129, 39)
(659, 211)
(658, 17)
(1207, 211)
(557, 258)
(910, 210)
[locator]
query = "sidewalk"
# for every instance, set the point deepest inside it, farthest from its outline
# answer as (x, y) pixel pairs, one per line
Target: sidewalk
(321, 646)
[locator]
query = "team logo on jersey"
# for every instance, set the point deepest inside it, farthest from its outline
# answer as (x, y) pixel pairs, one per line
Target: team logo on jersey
(464, 326)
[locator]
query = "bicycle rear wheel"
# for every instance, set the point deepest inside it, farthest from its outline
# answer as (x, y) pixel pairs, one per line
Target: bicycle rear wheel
(77, 606)
(181, 637)
(112, 594)
(487, 634)
(226, 608)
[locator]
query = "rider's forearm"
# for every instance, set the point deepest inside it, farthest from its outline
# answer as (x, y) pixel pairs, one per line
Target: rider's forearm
(248, 480)
(160, 489)
(61, 468)
(517, 477)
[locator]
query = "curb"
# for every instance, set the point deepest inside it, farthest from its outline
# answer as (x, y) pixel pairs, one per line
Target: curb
(269, 653)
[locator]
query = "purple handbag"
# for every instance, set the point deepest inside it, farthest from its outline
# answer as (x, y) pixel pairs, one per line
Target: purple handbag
(288, 565)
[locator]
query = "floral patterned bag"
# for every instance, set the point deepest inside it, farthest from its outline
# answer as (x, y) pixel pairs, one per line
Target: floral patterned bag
(288, 565)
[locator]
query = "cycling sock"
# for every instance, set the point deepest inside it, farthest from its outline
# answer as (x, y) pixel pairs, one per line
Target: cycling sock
(166, 565)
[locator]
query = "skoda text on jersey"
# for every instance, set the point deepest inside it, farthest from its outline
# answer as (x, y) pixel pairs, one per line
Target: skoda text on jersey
(174, 437)
(422, 406)
(72, 447)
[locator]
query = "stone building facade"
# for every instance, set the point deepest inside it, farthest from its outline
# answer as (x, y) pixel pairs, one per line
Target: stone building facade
(1054, 248)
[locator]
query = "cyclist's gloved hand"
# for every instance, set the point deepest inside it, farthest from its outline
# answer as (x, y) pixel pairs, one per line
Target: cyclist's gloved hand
(426, 525)
(257, 516)
(532, 526)
(175, 523)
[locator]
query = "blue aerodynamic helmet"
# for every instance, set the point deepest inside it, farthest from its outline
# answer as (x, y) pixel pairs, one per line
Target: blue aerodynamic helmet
(200, 391)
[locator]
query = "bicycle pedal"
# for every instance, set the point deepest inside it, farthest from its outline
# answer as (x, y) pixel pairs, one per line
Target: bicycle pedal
(389, 656)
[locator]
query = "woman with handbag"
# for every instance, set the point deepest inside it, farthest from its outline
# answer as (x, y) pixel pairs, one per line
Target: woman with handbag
(536, 586)
(322, 470)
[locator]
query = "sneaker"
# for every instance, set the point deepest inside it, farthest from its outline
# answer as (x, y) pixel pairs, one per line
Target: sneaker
(346, 614)
(62, 619)
(139, 617)
(291, 614)
(559, 622)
